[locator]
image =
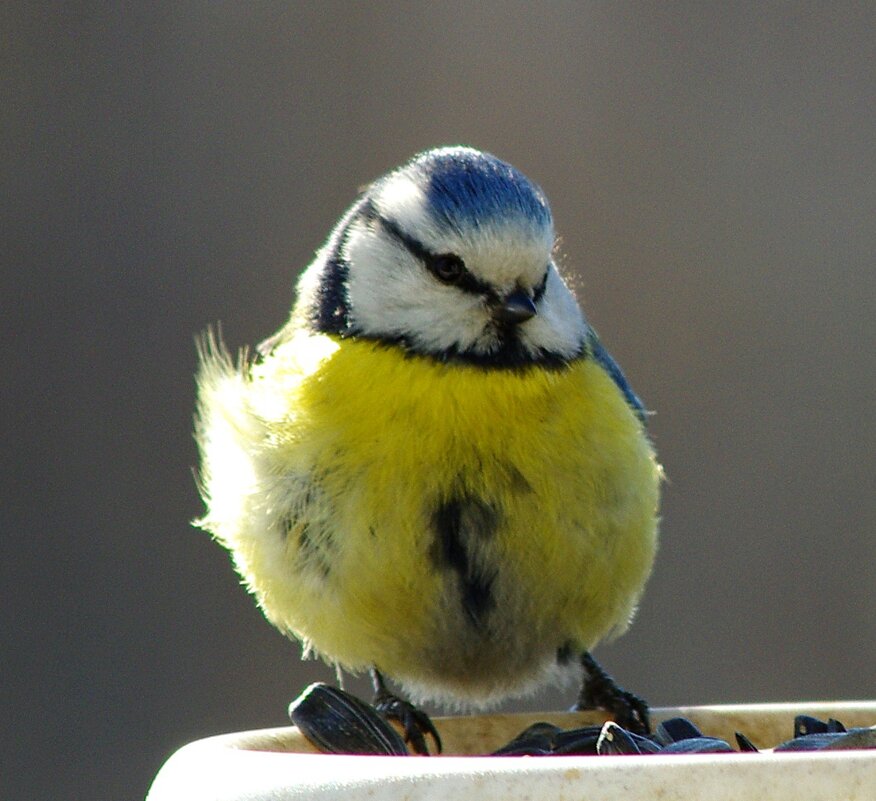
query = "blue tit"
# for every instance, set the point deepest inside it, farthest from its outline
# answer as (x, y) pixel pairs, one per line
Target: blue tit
(435, 471)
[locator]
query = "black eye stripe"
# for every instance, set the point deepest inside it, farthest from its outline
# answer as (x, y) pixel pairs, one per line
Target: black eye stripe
(413, 245)
(467, 282)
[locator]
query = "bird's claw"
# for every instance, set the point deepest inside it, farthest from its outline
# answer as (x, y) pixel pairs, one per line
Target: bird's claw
(629, 711)
(415, 723)
(601, 691)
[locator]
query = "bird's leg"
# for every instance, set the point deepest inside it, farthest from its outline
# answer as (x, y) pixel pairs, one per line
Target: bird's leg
(415, 722)
(601, 691)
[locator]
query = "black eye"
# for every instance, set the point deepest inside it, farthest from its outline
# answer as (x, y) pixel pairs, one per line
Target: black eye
(447, 268)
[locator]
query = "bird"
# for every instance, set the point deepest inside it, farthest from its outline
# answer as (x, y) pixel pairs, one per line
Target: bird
(434, 472)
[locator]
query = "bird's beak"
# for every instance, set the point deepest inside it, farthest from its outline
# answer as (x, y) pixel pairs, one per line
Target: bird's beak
(514, 309)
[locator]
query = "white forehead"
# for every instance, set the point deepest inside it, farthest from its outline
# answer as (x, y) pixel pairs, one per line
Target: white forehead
(502, 250)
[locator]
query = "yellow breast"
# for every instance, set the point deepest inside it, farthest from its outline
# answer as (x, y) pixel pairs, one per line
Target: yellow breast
(443, 522)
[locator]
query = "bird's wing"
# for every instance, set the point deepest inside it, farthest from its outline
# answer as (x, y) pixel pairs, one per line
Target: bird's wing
(603, 358)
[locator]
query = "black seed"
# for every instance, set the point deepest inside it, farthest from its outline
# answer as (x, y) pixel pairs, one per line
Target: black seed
(854, 738)
(645, 744)
(339, 723)
(614, 741)
(698, 745)
(806, 724)
(578, 742)
(809, 742)
(675, 729)
(536, 740)
(744, 743)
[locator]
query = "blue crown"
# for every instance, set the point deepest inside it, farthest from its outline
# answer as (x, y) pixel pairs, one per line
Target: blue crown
(465, 188)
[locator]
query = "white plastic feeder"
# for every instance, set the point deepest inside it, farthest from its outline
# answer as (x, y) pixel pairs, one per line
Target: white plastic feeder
(280, 764)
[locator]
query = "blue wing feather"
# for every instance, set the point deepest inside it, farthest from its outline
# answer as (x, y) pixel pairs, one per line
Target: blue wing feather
(603, 357)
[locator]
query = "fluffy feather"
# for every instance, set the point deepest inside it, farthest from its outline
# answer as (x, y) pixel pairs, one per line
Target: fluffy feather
(406, 483)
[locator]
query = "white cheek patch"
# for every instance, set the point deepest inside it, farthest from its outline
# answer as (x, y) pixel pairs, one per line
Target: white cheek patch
(559, 327)
(392, 295)
(376, 270)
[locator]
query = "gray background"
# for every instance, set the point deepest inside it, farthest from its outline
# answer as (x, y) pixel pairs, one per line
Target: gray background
(711, 172)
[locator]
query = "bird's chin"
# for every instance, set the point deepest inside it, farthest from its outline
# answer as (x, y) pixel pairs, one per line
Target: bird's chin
(500, 346)
(496, 347)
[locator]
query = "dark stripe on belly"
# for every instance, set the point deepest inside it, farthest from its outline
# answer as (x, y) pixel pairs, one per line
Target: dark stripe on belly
(458, 523)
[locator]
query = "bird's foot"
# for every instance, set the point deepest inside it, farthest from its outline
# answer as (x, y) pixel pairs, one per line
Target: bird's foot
(415, 723)
(601, 691)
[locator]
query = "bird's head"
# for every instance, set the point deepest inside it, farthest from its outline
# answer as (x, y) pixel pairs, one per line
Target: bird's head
(449, 256)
